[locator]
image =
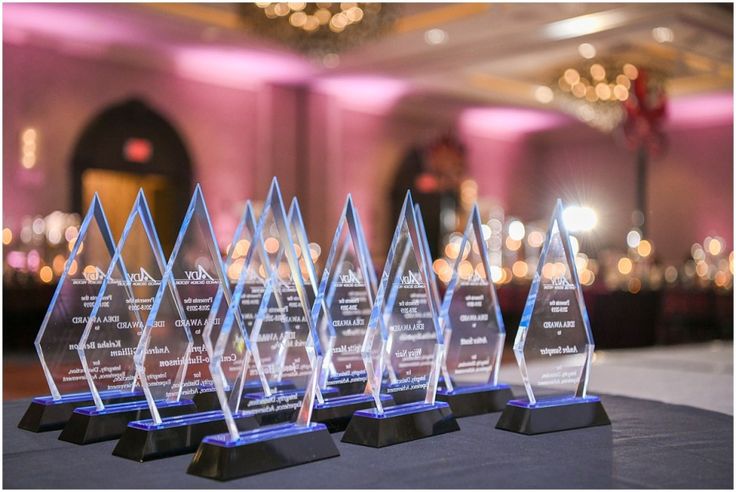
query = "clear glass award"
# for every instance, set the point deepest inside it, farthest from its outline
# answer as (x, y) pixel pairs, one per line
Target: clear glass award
(114, 328)
(341, 313)
(474, 331)
(62, 327)
(172, 358)
(298, 358)
(554, 346)
(403, 333)
(234, 362)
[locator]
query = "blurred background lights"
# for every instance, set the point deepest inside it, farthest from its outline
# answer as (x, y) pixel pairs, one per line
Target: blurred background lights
(544, 94)
(579, 218)
(644, 248)
(29, 147)
(663, 34)
(435, 36)
(633, 238)
(516, 230)
(586, 50)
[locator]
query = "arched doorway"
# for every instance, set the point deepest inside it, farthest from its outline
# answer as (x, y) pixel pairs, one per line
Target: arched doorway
(128, 146)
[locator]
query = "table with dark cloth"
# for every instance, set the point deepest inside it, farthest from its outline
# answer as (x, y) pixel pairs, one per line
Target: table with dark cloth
(650, 444)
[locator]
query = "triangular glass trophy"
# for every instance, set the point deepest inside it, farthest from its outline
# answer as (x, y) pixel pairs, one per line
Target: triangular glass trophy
(234, 363)
(301, 243)
(554, 346)
(341, 313)
(403, 318)
(114, 328)
(172, 357)
(66, 317)
(474, 331)
(285, 301)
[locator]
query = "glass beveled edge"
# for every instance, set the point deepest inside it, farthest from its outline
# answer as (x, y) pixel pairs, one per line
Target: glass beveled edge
(521, 334)
(313, 347)
(428, 256)
(296, 222)
(140, 210)
(349, 218)
(168, 281)
(94, 212)
(472, 228)
(234, 315)
(421, 247)
(409, 217)
(244, 224)
(367, 254)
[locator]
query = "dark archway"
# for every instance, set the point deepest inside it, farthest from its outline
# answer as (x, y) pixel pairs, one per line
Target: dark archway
(131, 144)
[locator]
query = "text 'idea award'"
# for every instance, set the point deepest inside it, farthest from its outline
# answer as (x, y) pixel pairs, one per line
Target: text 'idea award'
(404, 339)
(113, 330)
(171, 358)
(62, 327)
(298, 357)
(554, 346)
(250, 300)
(341, 313)
(474, 331)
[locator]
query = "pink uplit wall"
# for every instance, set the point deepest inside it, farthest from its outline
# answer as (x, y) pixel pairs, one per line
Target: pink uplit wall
(689, 188)
(59, 95)
(329, 138)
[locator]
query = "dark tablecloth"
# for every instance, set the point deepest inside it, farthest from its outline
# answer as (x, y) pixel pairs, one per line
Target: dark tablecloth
(650, 444)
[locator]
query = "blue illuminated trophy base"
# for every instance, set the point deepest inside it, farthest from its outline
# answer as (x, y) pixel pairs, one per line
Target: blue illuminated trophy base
(399, 424)
(88, 424)
(221, 458)
(46, 414)
(476, 400)
(144, 440)
(552, 416)
(336, 413)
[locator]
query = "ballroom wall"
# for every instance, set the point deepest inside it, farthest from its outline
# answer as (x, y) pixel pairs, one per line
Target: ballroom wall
(355, 132)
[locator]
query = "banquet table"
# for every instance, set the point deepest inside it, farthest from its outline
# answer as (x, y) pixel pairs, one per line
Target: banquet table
(649, 444)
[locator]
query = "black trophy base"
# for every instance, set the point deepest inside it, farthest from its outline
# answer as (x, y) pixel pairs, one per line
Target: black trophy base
(399, 424)
(145, 441)
(336, 413)
(477, 400)
(46, 414)
(88, 425)
(521, 417)
(280, 446)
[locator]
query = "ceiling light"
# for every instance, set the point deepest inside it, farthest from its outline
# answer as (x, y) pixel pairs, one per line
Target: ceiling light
(435, 36)
(586, 50)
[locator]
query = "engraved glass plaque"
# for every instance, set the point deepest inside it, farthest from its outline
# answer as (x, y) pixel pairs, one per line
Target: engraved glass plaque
(341, 313)
(188, 312)
(171, 357)
(554, 345)
(285, 303)
(474, 330)
(345, 298)
(113, 330)
(121, 309)
(233, 361)
(65, 320)
(403, 332)
(58, 338)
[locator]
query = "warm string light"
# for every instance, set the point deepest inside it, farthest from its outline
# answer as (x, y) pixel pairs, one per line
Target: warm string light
(313, 17)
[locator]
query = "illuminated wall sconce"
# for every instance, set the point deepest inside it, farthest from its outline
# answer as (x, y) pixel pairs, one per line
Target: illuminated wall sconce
(29, 148)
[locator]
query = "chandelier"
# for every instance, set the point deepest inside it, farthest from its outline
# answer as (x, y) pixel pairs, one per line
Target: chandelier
(597, 92)
(318, 29)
